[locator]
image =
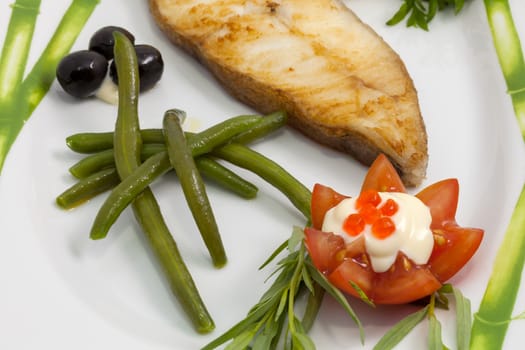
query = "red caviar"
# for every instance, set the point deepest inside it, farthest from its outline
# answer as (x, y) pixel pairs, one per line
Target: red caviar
(383, 227)
(368, 197)
(368, 213)
(389, 208)
(354, 224)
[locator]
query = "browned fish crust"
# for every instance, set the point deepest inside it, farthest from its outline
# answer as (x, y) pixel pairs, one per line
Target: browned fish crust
(364, 103)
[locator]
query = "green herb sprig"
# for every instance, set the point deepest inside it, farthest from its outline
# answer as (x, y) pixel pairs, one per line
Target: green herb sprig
(421, 12)
(438, 300)
(262, 328)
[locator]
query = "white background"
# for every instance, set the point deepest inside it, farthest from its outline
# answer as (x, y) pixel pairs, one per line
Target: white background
(61, 290)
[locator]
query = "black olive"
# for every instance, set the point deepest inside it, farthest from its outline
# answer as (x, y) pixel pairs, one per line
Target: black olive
(102, 41)
(150, 65)
(82, 72)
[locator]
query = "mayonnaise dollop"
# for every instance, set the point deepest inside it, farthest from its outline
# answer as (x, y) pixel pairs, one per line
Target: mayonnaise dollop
(412, 235)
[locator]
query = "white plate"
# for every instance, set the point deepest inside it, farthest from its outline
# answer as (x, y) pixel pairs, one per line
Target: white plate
(61, 290)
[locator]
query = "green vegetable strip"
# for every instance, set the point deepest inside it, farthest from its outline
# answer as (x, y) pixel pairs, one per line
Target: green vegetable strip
(16, 47)
(127, 141)
(148, 214)
(266, 126)
(17, 110)
(226, 178)
(88, 188)
(270, 171)
(192, 186)
(491, 320)
(145, 206)
(92, 164)
(92, 142)
(103, 159)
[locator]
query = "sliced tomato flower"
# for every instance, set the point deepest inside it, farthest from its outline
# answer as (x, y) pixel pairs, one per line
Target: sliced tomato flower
(345, 264)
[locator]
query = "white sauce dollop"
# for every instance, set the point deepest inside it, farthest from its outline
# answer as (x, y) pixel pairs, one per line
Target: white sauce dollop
(108, 91)
(412, 235)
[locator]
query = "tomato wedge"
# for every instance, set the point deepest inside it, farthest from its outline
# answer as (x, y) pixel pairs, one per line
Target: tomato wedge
(454, 246)
(442, 199)
(382, 177)
(347, 264)
(323, 198)
(327, 245)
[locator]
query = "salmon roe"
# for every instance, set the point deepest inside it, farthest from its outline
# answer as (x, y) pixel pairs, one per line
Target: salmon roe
(368, 213)
(383, 227)
(354, 224)
(389, 208)
(368, 197)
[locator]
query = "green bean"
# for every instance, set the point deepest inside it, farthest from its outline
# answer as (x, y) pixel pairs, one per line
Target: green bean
(92, 163)
(126, 139)
(148, 215)
(219, 134)
(159, 164)
(91, 142)
(88, 188)
(145, 206)
(226, 178)
(103, 159)
(270, 171)
(267, 125)
(192, 185)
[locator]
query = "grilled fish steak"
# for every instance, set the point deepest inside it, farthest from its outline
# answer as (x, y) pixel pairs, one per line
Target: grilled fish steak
(339, 81)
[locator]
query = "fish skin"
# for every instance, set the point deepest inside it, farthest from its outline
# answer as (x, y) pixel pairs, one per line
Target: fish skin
(341, 84)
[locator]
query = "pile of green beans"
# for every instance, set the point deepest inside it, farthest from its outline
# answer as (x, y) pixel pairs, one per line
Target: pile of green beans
(127, 160)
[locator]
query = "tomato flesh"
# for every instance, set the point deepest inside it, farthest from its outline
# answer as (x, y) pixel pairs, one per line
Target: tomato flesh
(382, 177)
(405, 281)
(325, 247)
(442, 200)
(323, 199)
(454, 246)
